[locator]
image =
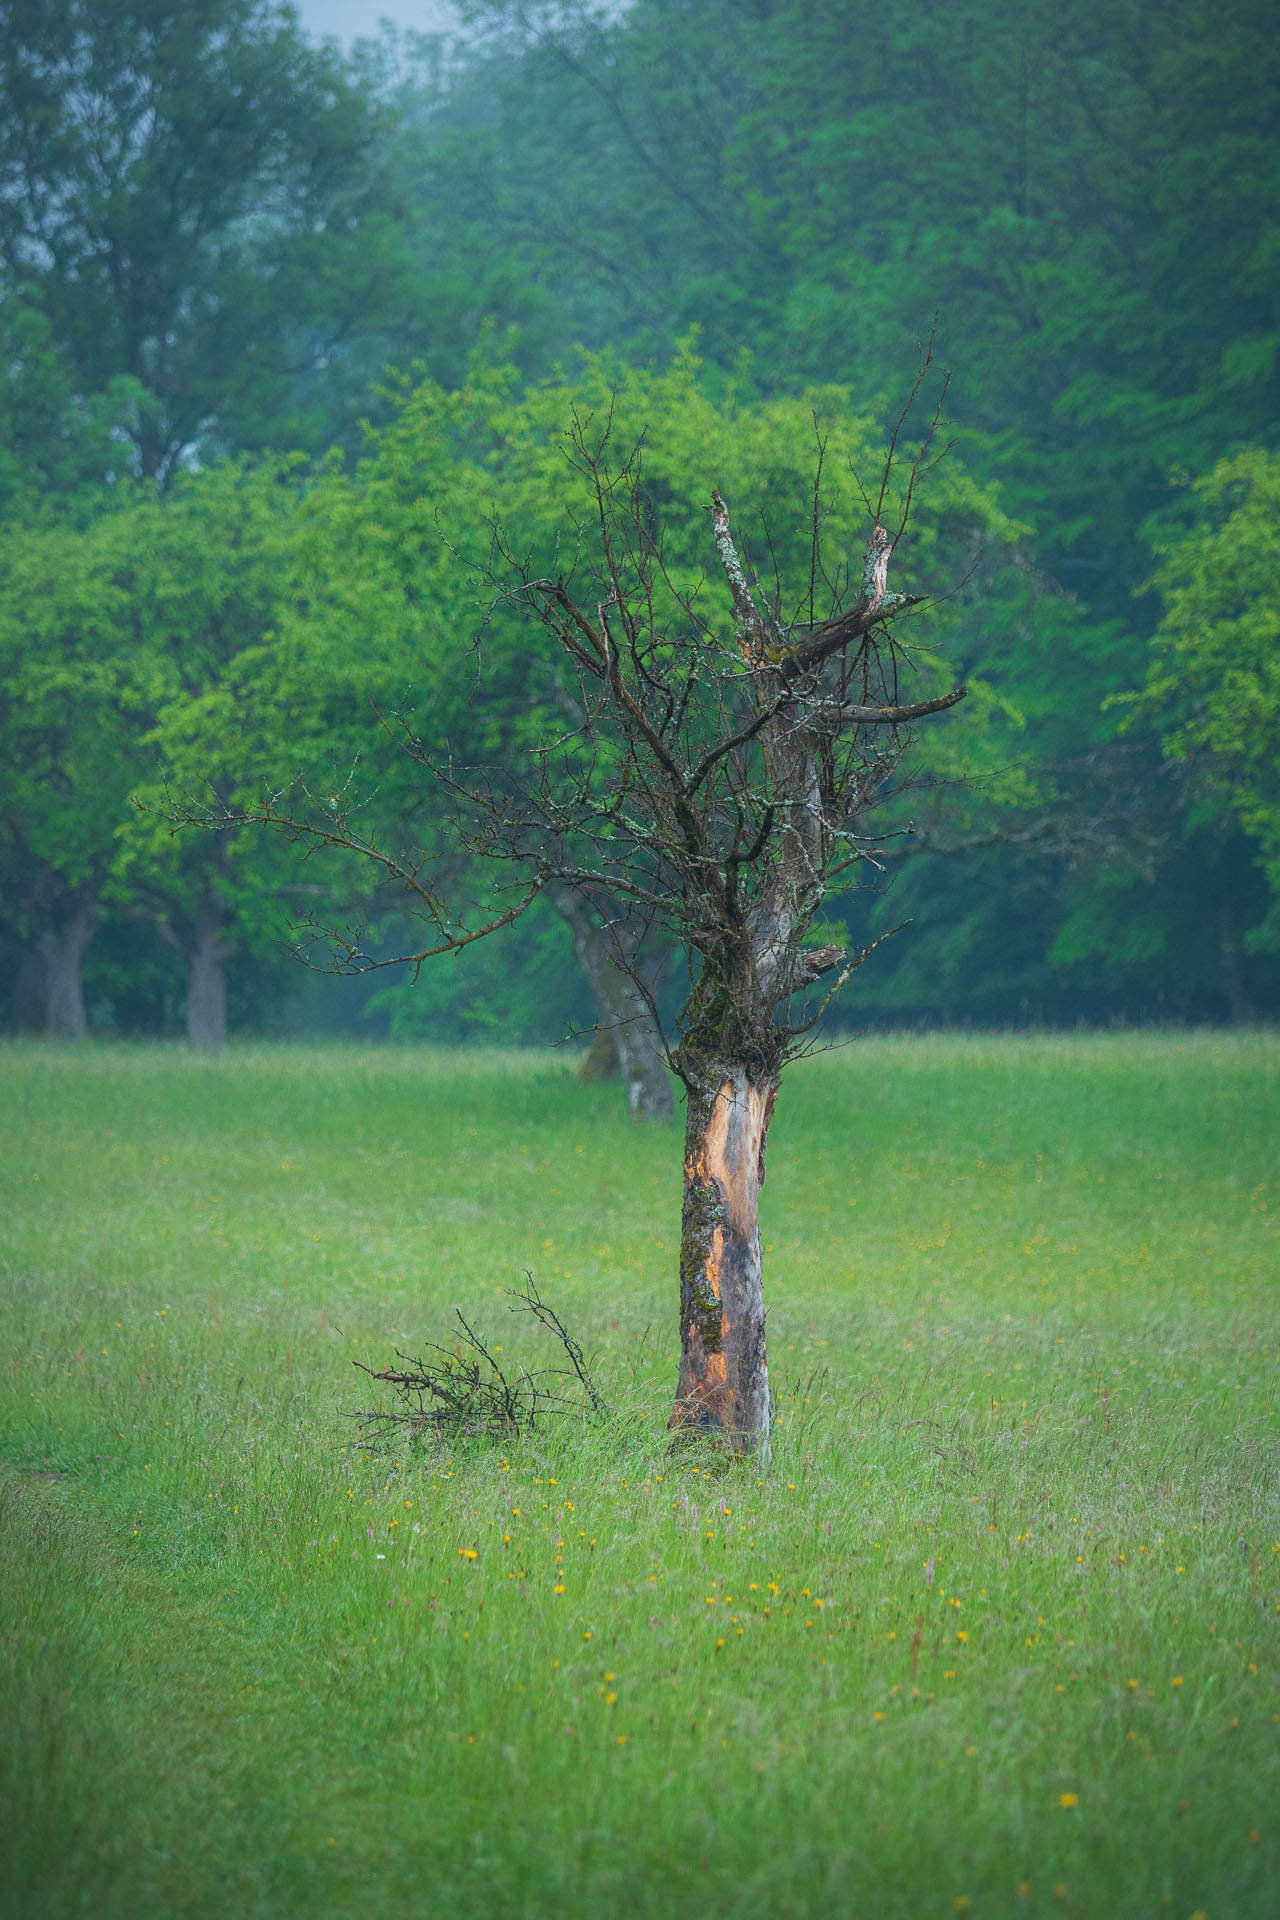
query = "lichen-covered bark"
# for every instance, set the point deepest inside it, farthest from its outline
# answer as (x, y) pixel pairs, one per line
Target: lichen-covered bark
(724, 1377)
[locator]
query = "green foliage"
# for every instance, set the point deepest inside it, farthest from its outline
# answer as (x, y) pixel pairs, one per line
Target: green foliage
(55, 446)
(1213, 686)
(138, 656)
(193, 214)
(397, 552)
(202, 573)
(1023, 1327)
(214, 234)
(69, 742)
(524, 988)
(1084, 199)
(406, 560)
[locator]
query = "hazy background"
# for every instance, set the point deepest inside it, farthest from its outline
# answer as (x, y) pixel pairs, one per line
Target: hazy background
(246, 271)
(348, 20)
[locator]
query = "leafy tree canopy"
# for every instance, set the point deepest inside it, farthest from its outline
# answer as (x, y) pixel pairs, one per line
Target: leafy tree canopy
(192, 223)
(1213, 686)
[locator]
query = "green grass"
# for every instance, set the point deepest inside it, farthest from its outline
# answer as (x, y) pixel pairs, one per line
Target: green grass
(998, 1623)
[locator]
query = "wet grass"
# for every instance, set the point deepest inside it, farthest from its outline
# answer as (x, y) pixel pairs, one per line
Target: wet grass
(995, 1630)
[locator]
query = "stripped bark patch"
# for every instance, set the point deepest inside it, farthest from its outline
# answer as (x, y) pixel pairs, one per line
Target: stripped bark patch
(724, 1381)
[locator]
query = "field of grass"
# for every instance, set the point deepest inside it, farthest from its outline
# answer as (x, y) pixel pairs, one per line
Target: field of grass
(995, 1630)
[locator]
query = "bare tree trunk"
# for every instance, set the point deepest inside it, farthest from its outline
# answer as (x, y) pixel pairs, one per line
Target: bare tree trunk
(61, 950)
(626, 1013)
(206, 994)
(1238, 1003)
(724, 1379)
(206, 951)
(641, 1054)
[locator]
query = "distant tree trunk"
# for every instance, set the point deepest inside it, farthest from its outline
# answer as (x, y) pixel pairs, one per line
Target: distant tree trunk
(206, 996)
(601, 1061)
(1239, 1005)
(625, 1013)
(724, 1379)
(641, 1054)
(206, 950)
(57, 975)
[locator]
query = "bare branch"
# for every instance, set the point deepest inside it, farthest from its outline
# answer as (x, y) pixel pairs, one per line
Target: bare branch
(751, 629)
(903, 715)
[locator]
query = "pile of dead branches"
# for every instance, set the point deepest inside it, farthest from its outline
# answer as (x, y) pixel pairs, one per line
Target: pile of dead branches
(461, 1392)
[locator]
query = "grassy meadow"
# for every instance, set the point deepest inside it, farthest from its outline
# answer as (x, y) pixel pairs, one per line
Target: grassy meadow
(995, 1630)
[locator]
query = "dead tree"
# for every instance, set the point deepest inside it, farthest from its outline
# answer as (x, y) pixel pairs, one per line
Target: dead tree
(721, 772)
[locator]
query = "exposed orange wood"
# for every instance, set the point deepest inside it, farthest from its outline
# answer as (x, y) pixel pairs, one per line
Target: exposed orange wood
(723, 1380)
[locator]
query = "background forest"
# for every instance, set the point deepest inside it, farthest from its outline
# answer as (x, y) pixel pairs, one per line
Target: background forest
(283, 328)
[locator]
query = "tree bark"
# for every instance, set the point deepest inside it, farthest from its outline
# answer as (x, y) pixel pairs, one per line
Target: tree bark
(206, 950)
(206, 994)
(724, 1378)
(61, 949)
(641, 1054)
(625, 1011)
